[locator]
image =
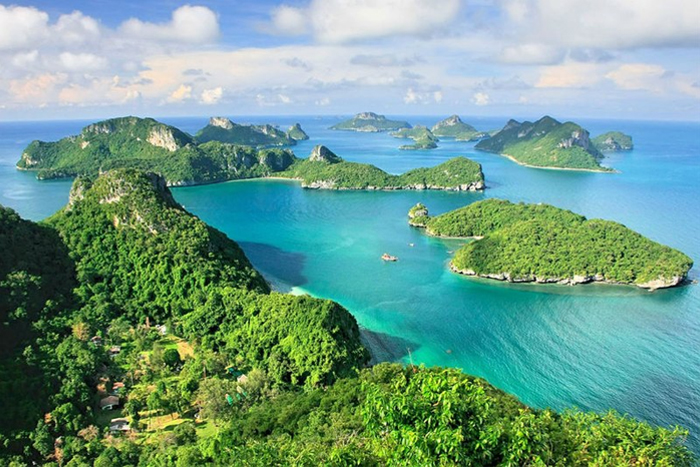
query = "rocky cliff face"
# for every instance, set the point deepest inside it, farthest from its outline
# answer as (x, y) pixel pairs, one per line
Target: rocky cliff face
(221, 122)
(321, 153)
(369, 116)
(163, 137)
(578, 138)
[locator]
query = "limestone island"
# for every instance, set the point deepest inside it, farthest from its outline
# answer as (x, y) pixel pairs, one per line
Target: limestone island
(613, 141)
(454, 127)
(325, 170)
(225, 131)
(546, 143)
(148, 145)
(545, 244)
(423, 138)
(370, 122)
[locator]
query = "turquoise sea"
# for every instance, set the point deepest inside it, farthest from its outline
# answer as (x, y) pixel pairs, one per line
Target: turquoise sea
(593, 347)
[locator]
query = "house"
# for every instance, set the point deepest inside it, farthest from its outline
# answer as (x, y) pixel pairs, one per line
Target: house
(114, 351)
(119, 425)
(242, 379)
(162, 329)
(109, 403)
(96, 341)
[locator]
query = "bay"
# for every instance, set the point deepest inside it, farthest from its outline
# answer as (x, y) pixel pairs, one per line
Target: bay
(593, 347)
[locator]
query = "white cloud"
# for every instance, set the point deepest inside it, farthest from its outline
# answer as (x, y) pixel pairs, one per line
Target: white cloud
(189, 24)
(289, 21)
(212, 96)
(324, 101)
(183, 92)
(340, 21)
(569, 75)
(76, 29)
(21, 27)
(284, 98)
(636, 76)
(437, 96)
(481, 98)
(531, 54)
(82, 62)
(618, 24)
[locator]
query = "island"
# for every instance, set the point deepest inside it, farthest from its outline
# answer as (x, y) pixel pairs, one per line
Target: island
(225, 131)
(325, 170)
(545, 244)
(454, 127)
(613, 141)
(149, 145)
(546, 143)
(423, 138)
(370, 122)
(133, 333)
(146, 144)
(296, 133)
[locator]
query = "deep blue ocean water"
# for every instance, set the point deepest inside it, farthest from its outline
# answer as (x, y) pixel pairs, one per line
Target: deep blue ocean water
(593, 347)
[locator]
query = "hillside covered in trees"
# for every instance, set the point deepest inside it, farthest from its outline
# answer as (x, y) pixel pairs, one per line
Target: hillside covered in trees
(542, 243)
(124, 297)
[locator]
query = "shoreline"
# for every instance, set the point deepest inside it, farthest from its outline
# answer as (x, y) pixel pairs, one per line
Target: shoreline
(571, 169)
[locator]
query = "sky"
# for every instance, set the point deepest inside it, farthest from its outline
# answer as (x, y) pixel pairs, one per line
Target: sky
(637, 59)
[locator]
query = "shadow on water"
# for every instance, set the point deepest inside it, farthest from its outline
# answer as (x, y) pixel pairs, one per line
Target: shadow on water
(385, 347)
(282, 268)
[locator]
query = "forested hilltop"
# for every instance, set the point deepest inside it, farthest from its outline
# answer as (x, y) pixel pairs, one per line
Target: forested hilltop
(225, 131)
(125, 301)
(546, 143)
(145, 144)
(326, 170)
(542, 243)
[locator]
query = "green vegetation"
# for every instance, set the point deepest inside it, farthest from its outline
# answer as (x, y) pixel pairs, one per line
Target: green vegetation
(370, 122)
(454, 127)
(545, 143)
(542, 243)
(613, 141)
(148, 145)
(296, 133)
(423, 138)
(323, 169)
(225, 131)
(237, 375)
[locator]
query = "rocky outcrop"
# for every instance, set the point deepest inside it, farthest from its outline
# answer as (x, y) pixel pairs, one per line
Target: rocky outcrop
(163, 137)
(660, 283)
(578, 138)
(221, 122)
(296, 133)
(321, 153)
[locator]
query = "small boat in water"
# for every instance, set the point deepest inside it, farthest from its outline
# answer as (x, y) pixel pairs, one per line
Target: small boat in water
(388, 257)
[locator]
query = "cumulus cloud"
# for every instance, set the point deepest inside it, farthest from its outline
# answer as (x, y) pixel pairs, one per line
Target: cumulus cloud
(570, 75)
(341, 21)
(82, 62)
(481, 99)
(621, 24)
(21, 27)
(422, 97)
(183, 92)
(211, 96)
(288, 21)
(636, 76)
(189, 24)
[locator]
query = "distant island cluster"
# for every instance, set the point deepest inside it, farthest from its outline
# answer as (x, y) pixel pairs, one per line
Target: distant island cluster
(545, 143)
(517, 243)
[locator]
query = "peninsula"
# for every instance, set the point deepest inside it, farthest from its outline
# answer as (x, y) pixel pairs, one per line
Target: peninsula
(370, 122)
(454, 127)
(546, 143)
(225, 131)
(325, 170)
(423, 138)
(544, 244)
